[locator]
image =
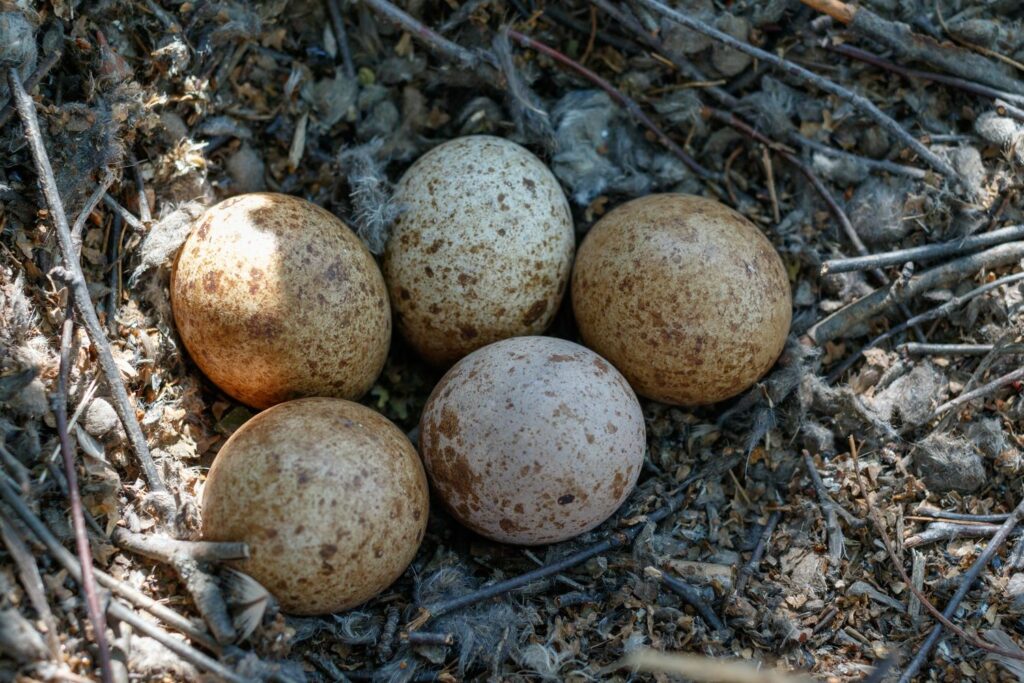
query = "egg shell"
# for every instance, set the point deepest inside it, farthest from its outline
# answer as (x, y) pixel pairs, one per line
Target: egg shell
(275, 298)
(684, 296)
(482, 250)
(532, 440)
(330, 496)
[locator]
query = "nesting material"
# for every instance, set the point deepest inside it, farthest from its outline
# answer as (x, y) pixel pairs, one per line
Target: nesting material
(482, 251)
(275, 299)
(684, 296)
(329, 495)
(532, 440)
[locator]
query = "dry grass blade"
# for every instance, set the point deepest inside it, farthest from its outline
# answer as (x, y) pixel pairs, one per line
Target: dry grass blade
(698, 668)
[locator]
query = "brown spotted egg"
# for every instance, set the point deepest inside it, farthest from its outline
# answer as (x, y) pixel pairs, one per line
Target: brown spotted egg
(686, 297)
(329, 495)
(532, 440)
(482, 250)
(275, 299)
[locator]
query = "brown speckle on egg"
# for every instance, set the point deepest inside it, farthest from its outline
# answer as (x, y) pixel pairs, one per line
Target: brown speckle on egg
(283, 468)
(275, 298)
(483, 249)
(523, 456)
(684, 296)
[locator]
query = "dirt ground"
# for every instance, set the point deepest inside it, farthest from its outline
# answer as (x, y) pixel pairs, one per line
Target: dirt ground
(808, 517)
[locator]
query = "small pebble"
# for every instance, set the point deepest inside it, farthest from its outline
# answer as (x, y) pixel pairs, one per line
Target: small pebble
(99, 418)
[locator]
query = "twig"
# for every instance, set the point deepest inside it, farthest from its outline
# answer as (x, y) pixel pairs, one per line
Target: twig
(341, 36)
(836, 542)
(32, 581)
(70, 563)
(127, 215)
(923, 253)
(959, 516)
(690, 596)
(929, 315)
(7, 110)
(80, 290)
(884, 298)
(427, 638)
(860, 102)
(912, 46)
(616, 539)
(437, 42)
(1009, 378)
(944, 531)
(942, 617)
(88, 582)
(145, 213)
(90, 205)
(915, 349)
(952, 81)
(574, 598)
(619, 98)
(750, 567)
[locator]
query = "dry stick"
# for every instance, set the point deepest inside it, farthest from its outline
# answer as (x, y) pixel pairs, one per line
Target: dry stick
(755, 557)
(341, 36)
(860, 102)
(915, 349)
(140, 187)
(836, 544)
(80, 290)
(616, 539)
(127, 215)
(967, 86)
(621, 99)
(436, 41)
(923, 253)
(913, 47)
(70, 563)
(942, 617)
(60, 409)
(32, 81)
(959, 516)
(427, 638)
(730, 101)
(884, 298)
(1009, 378)
(944, 531)
(690, 596)
(32, 581)
(929, 315)
(90, 205)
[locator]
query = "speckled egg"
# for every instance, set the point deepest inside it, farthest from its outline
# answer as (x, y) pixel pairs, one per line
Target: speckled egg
(330, 496)
(684, 296)
(275, 299)
(483, 249)
(532, 440)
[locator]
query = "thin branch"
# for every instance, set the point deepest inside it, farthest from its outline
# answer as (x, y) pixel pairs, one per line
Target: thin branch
(915, 349)
(944, 531)
(341, 37)
(929, 315)
(80, 290)
(32, 581)
(60, 409)
(90, 205)
(860, 102)
(166, 549)
(145, 213)
(437, 42)
(7, 111)
(427, 638)
(959, 516)
(127, 215)
(836, 542)
(923, 253)
(619, 98)
(884, 298)
(690, 596)
(750, 567)
(982, 391)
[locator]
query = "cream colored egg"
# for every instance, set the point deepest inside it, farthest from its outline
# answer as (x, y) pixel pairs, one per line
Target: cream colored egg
(532, 440)
(483, 249)
(686, 297)
(275, 299)
(329, 495)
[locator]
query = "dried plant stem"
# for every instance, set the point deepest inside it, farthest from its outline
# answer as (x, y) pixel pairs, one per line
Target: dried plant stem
(925, 252)
(88, 582)
(839, 11)
(993, 386)
(915, 349)
(437, 42)
(860, 102)
(690, 595)
(750, 567)
(965, 583)
(70, 563)
(929, 315)
(90, 205)
(7, 110)
(341, 36)
(127, 215)
(884, 298)
(32, 581)
(80, 291)
(836, 542)
(959, 516)
(619, 98)
(944, 531)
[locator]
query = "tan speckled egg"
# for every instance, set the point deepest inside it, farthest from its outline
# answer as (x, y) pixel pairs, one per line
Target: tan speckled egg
(532, 440)
(275, 299)
(684, 296)
(330, 496)
(483, 249)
